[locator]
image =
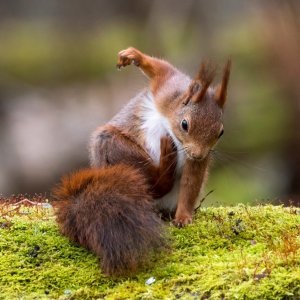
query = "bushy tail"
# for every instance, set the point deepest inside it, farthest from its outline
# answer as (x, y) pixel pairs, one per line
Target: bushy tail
(110, 212)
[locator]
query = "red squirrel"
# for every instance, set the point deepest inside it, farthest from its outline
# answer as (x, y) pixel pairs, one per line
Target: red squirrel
(151, 158)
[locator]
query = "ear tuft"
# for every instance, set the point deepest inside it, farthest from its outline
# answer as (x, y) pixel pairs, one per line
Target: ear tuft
(221, 90)
(205, 75)
(193, 89)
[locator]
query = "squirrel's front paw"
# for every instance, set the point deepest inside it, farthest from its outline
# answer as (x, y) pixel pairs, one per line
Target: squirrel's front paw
(129, 56)
(182, 221)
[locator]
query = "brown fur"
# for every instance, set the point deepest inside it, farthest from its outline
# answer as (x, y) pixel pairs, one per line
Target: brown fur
(221, 91)
(203, 113)
(113, 146)
(158, 70)
(110, 212)
(110, 209)
(205, 76)
(193, 177)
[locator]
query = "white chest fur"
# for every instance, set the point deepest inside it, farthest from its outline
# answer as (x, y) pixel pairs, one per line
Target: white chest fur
(154, 126)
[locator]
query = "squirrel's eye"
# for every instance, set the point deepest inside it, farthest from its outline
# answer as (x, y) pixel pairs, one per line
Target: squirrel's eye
(184, 125)
(221, 133)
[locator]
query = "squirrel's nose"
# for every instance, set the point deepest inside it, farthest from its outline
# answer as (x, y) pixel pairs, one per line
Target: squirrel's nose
(196, 156)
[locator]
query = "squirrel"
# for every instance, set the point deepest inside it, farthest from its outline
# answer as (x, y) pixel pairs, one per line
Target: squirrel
(152, 158)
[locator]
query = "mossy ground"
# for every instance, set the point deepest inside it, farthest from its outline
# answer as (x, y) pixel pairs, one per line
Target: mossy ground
(237, 252)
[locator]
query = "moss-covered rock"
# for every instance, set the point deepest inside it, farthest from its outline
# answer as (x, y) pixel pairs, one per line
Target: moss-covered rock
(237, 252)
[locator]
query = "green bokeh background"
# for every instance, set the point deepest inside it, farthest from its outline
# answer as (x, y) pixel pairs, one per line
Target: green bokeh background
(71, 45)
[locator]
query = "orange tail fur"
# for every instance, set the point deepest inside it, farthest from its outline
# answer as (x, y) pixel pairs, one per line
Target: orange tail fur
(110, 212)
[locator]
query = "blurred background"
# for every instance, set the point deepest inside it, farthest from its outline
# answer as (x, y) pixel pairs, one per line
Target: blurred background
(58, 82)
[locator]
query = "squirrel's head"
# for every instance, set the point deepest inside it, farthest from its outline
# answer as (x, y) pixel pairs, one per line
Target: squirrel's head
(198, 123)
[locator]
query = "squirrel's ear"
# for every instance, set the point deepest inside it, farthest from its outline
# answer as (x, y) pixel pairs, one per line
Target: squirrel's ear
(192, 90)
(221, 89)
(205, 76)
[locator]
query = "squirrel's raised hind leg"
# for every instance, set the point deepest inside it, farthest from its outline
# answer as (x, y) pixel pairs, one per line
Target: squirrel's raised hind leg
(157, 70)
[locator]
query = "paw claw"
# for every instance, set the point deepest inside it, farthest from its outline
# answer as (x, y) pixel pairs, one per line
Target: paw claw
(129, 56)
(182, 222)
(136, 63)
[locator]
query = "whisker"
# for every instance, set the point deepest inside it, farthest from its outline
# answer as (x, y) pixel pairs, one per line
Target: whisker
(225, 157)
(177, 151)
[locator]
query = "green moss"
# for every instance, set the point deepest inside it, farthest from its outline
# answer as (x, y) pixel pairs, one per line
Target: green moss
(229, 253)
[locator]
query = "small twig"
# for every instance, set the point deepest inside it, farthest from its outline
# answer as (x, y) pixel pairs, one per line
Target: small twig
(27, 201)
(16, 206)
(202, 200)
